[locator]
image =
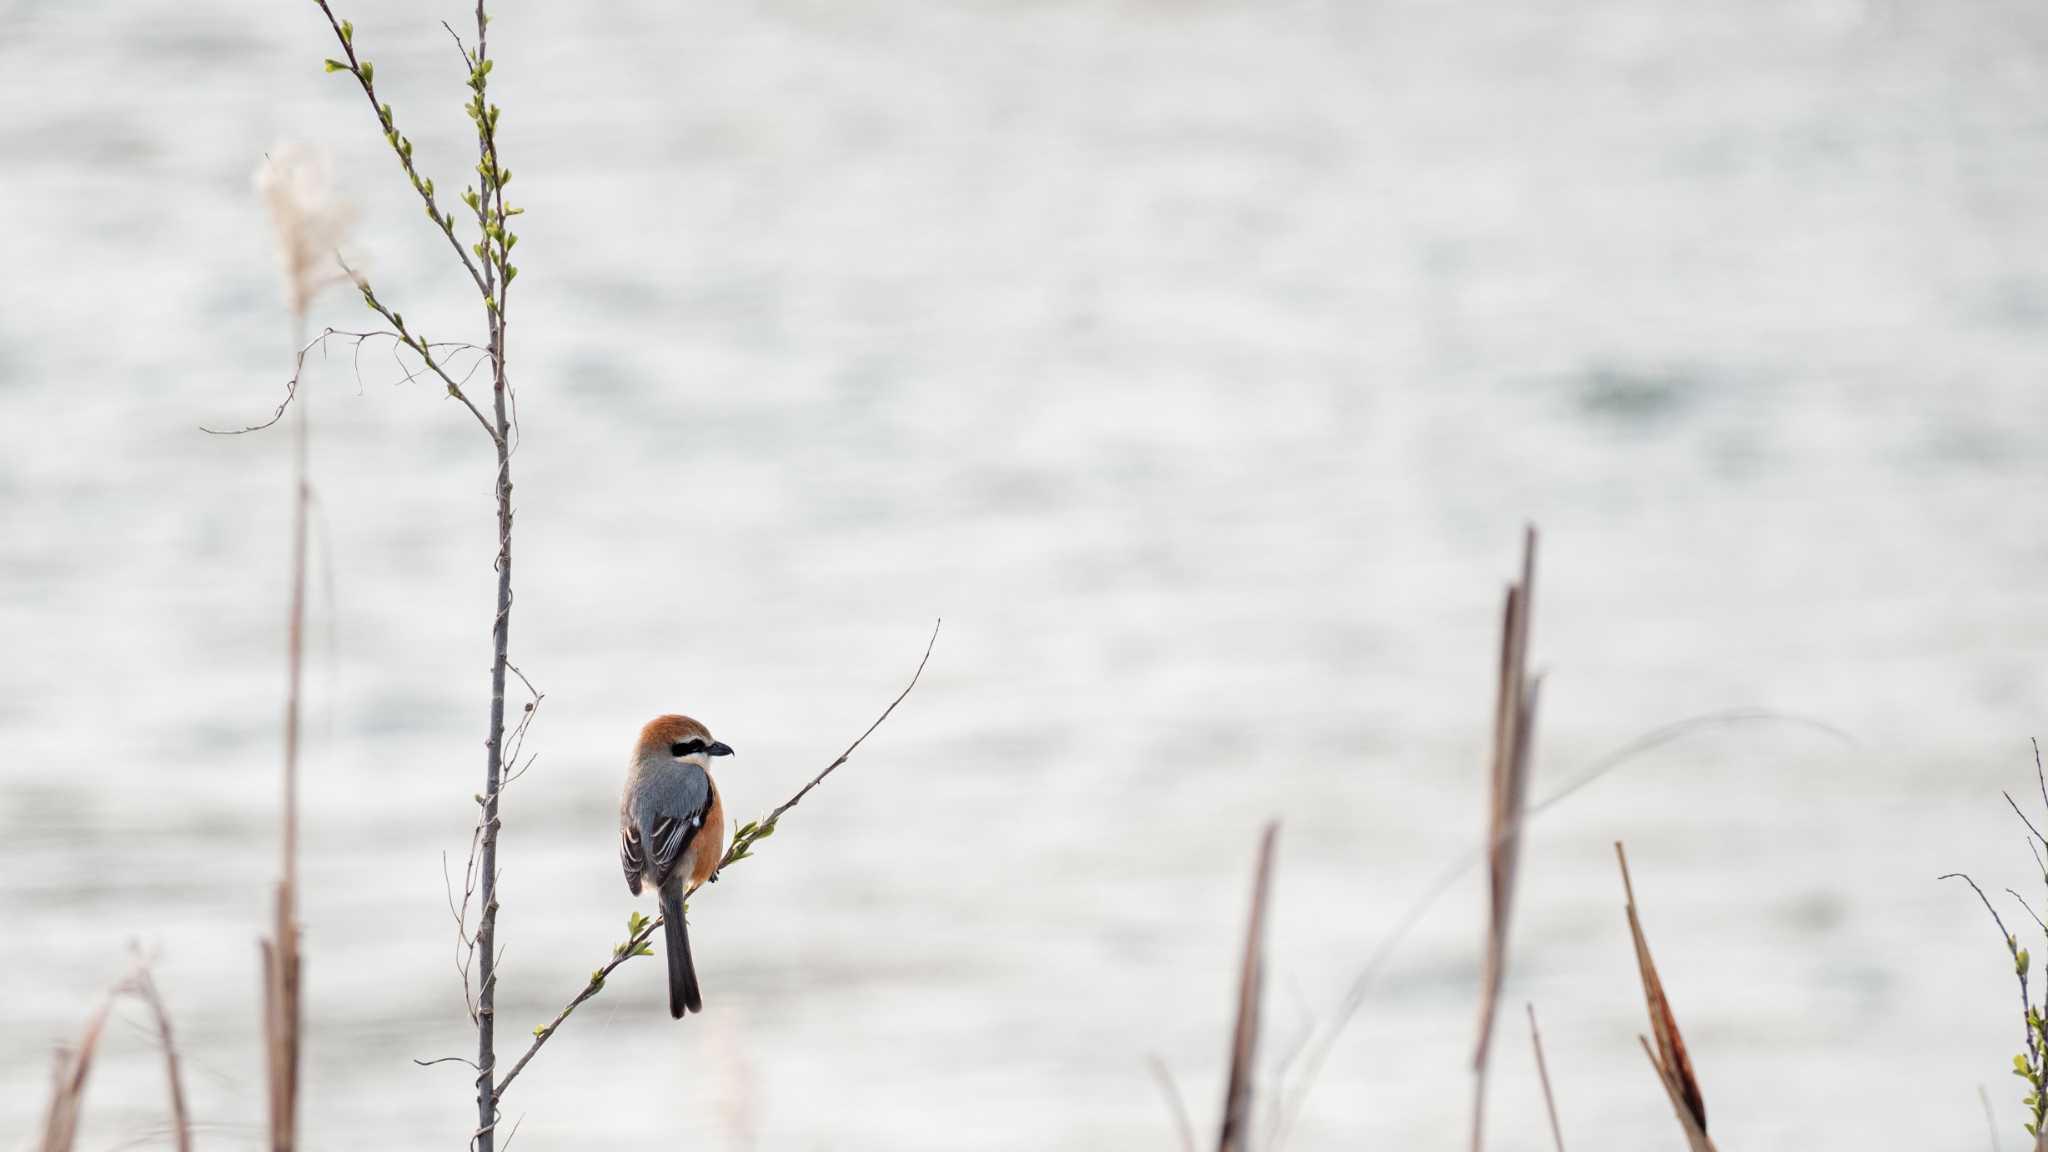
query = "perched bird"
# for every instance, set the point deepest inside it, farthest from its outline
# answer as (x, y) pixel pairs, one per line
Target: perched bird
(672, 833)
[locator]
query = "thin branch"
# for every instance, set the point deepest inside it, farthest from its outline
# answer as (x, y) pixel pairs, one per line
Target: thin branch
(636, 944)
(2014, 804)
(2029, 911)
(364, 73)
(417, 344)
(444, 1060)
(1176, 1104)
(1543, 1075)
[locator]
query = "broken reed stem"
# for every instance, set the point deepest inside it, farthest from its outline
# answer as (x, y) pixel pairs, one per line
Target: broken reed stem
(73, 1065)
(1668, 1058)
(144, 987)
(1514, 719)
(1235, 1131)
(67, 1091)
(1543, 1077)
(741, 848)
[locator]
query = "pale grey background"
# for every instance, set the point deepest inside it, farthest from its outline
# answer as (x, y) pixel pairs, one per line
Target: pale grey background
(1198, 362)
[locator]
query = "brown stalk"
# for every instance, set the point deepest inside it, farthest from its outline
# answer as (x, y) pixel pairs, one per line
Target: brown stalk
(1514, 721)
(144, 988)
(1668, 1058)
(281, 961)
(1237, 1099)
(1543, 1075)
(67, 1093)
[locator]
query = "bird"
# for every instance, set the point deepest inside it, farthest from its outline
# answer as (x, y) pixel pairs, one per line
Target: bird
(672, 834)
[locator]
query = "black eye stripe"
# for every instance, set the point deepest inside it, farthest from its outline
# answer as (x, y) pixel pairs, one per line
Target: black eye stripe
(686, 748)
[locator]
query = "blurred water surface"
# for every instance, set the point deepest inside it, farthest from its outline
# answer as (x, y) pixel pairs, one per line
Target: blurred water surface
(1198, 362)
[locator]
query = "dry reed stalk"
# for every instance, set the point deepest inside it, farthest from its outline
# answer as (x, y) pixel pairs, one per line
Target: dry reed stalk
(1543, 1075)
(67, 1092)
(1668, 1058)
(1514, 721)
(1235, 1135)
(307, 222)
(144, 987)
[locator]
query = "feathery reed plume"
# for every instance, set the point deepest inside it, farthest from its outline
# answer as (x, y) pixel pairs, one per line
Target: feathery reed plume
(1543, 1076)
(1514, 720)
(1669, 1059)
(309, 222)
(1235, 1134)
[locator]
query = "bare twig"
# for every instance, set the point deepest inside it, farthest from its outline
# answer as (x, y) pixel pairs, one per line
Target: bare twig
(1514, 719)
(1673, 1065)
(1543, 1075)
(1236, 1129)
(1176, 1104)
(636, 944)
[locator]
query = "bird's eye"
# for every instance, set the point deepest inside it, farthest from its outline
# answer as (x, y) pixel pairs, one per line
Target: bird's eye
(686, 748)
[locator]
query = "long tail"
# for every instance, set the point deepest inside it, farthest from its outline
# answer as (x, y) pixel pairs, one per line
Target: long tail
(683, 994)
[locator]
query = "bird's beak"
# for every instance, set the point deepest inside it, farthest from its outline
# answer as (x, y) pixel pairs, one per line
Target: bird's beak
(717, 749)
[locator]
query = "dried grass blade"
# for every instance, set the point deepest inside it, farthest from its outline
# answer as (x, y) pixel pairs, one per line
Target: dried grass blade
(1669, 1058)
(1237, 1100)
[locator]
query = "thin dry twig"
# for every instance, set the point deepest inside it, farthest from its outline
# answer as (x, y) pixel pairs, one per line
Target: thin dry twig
(1669, 1058)
(1235, 1133)
(1514, 720)
(1176, 1104)
(748, 835)
(1543, 1076)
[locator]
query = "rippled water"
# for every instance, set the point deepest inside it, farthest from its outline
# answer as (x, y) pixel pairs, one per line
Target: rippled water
(1198, 362)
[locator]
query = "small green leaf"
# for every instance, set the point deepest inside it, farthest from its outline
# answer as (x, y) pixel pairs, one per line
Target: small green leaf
(334, 65)
(348, 32)
(541, 1031)
(2020, 961)
(645, 950)
(369, 72)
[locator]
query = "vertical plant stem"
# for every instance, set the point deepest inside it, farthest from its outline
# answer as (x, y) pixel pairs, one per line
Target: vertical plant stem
(1235, 1135)
(486, 938)
(281, 952)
